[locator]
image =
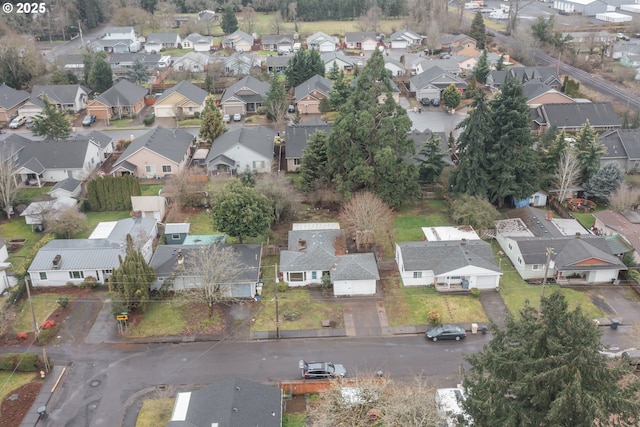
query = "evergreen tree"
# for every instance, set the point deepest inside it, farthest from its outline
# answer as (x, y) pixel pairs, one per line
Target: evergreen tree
(276, 101)
(451, 96)
(500, 65)
(589, 151)
(513, 171)
(369, 140)
(209, 83)
(482, 69)
(138, 73)
(549, 155)
(313, 168)
(335, 72)
(605, 181)
(303, 65)
(241, 212)
(60, 78)
(625, 120)
(52, 123)
(472, 174)
(471, 88)
(87, 60)
(229, 22)
(339, 92)
(548, 371)
(211, 124)
(100, 76)
(430, 159)
(478, 30)
(636, 120)
(131, 281)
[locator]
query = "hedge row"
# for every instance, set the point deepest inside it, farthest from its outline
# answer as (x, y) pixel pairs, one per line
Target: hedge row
(21, 362)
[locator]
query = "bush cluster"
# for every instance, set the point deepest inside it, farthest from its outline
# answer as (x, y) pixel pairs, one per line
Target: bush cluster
(21, 362)
(148, 120)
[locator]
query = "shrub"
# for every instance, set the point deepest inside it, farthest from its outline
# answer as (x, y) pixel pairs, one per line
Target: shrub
(634, 275)
(149, 119)
(291, 316)
(434, 317)
(196, 115)
(261, 110)
(90, 282)
(21, 362)
(63, 302)
(475, 292)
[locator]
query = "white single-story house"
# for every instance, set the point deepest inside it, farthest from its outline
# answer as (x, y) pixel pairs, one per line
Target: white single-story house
(4, 265)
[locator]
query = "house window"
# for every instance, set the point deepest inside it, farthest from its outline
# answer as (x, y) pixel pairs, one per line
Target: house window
(636, 165)
(297, 162)
(43, 275)
(314, 275)
(175, 236)
(519, 260)
(536, 267)
(166, 168)
(510, 248)
(296, 277)
(258, 164)
(76, 275)
(417, 274)
(150, 168)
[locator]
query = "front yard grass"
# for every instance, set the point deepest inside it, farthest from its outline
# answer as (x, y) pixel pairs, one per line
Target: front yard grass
(162, 318)
(293, 304)
(155, 412)
(43, 306)
(119, 123)
(10, 382)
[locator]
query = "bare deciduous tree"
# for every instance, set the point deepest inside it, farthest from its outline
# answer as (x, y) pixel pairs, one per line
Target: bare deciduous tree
(215, 269)
(8, 187)
(371, 20)
(276, 23)
(368, 220)
(184, 189)
(624, 198)
(248, 19)
(376, 401)
(568, 173)
(280, 193)
(68, 222)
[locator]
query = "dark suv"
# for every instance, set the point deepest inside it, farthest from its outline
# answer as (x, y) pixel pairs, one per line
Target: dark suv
(313, 370)
(425, 101)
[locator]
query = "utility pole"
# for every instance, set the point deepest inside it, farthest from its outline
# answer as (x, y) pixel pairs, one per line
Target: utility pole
(275, 267)
(33, 313)
(544, 279)
(80, 30)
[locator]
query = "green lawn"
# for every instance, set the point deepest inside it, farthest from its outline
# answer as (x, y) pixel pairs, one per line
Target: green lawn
(17, 228)
(296, 180)
(10, 382)
(151, 189)
(409, 225)
(43, 306)
(93, 218)
(411, 305)
(155, 412)
(120, 123)
(291, 302)
(586, 219)
(161, 318)
(294, 420)
(190, 123)
(30, 193)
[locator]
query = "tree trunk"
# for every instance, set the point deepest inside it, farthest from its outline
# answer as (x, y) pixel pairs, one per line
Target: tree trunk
(210, 311)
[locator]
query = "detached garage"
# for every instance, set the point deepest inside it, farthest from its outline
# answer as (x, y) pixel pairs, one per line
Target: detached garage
(355, 274)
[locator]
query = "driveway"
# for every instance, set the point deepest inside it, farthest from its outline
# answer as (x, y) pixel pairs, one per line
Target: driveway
(619, 301)
(436, 119)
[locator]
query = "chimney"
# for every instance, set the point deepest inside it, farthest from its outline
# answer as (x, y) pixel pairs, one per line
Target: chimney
(463, 242)
(577, 235)
(180, 258)
(302, 245)
(56, 262)
(549, 215)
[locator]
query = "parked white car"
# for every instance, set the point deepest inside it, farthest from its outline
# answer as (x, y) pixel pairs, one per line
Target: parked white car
(17, 122)
(226, 118)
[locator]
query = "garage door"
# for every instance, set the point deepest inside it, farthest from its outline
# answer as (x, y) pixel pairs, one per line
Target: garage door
(163, 111)
(486, 282)
(428, 93)
(232, 109)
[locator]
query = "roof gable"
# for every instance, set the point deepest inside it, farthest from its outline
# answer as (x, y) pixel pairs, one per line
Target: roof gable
(314, 84)
(171, 144)
(298, 135)
(446, 256)
(10, 98)
(123, 93)
(258, 139)
(188, 90)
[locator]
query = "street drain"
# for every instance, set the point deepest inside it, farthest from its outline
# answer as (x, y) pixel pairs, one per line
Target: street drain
(95, 383)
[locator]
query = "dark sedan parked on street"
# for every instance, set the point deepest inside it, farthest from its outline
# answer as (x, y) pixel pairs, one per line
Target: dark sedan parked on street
(446, 332)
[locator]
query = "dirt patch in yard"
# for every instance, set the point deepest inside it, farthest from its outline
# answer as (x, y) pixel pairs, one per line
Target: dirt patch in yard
(12, 412)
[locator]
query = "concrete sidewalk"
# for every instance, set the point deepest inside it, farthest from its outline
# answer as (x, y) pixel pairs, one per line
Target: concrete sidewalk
(50, 383)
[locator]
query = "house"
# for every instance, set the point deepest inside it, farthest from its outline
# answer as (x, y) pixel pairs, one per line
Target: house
(122, 63)
(277, 64)
(196, 62)
(10, 101)
(73, 63)
(316, 250)
(309, 94)
(4, 266)
(322, 42)
(230, 402)
(450, 66)
(238, 41)
(149, 206)
(103, 140)
(207, 16)
(625, 225)
(240, 149)
(244, 96)
(157, 153)
(545, 74)
(343, 62)
(54, 161)
(197, 42)
(119, 33)
(466, 263)
(538, 93)
(466, 63)
(622, 148)
(572, 117)
(576, 256)
(122, 99)
(116, 39)
(421, 138)
(240, 64)
(72, 98)
(281, 43)
(173, 262)
(160, 41)
(459, 44)
(405, 38)
(176, 233)
(297, 136)
(37, 214)
(64, 261)
(433, 81)
(395, 68)
(69, 187)
(630, 60)
(361, 40)
(496, 78)
(182, 100)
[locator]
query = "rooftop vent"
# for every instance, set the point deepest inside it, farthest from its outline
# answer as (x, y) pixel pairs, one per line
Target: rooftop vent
(56, 262)
(180, 257)
(302, 244)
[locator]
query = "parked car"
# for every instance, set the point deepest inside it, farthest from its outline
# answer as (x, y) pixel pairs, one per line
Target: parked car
(226, 118)
(425, 101)
(29, 123)
(292, 108)
(17, 122)
(621, 36)
(88, 120)
(445, 56)
(446, 332)
(435, 102)
(237, 117)
(313, 370)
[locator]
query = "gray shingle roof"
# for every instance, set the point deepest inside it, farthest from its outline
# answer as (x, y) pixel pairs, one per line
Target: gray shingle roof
(355, 37)
(69, 184)
(236, 37)
(535, 88)
(10, 98)
(355, 267)
(172, 144)
(61, 94)
(68, 154)
(187, 89)
(536, 222)
(443, 257)
(337, 55)
(254, 85)
(420, 138)
(164, 260)
(177, 228)
(98, 137)
(140, 228)
(276, 39)
(148, 59)
(599, 114)
(198, 38)
(318, 255)
(437, 77)
(78, 254)
(257, 138)
(277, 61)
(123, 93)
(621, 143)
(233, 402)
(618, 245)
(298, 135)
(315, 83)
(163, 37)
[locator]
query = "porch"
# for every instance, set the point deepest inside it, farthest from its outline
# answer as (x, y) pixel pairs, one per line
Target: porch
(453, 289)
